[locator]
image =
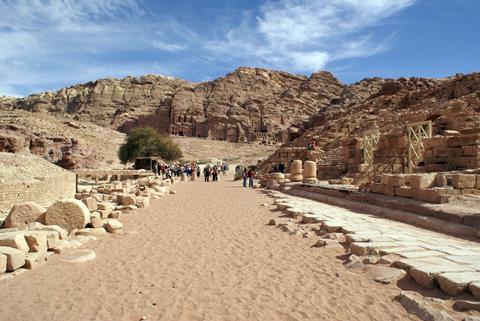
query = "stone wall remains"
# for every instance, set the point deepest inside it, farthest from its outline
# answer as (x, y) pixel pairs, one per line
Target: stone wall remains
(42, 190)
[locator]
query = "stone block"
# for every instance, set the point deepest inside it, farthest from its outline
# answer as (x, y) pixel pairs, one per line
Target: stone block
(464, 305)
(415, 304)
(366, 248)
(404, 191)
(62, 233)
(385, 275)
(466, 162)
(421, 181)
(471, 150)
(435, 142)
(34, 259)
(69, 214)
(376, 187)
(425, 275)
(115, 214)
(385, 179)
(24, 213)
(3, 263)
(14, 240)
(90, 203)
(113, 226)
(96, 222)
(143, 202)
(15, 258)
(127, 200)
(470, 191)
(104, 213)
(454, 283)
(37, 241)
(441, 180)
(464, 180)
(99, 231)
(429, 195)
(399, 180)
(105, 206)
(387, 190)
(474, 287)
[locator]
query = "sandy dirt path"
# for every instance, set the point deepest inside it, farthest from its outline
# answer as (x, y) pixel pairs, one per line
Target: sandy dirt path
(205, 253)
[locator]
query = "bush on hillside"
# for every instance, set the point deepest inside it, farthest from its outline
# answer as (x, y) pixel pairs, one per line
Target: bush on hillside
(146, 142)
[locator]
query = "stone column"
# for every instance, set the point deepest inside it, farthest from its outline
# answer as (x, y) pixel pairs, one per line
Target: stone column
(296, 171)
(310, 172)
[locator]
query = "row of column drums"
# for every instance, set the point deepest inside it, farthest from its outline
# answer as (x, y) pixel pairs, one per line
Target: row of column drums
(307, 175)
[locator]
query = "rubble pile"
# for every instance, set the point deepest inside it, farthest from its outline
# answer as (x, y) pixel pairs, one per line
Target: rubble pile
(32, 233)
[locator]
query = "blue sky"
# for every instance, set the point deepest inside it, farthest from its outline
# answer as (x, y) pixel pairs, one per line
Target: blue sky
(49, 44)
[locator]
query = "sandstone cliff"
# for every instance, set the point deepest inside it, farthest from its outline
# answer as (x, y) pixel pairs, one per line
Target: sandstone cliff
(246, 105)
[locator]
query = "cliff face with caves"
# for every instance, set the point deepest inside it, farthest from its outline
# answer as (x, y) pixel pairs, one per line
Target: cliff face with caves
(247, 105)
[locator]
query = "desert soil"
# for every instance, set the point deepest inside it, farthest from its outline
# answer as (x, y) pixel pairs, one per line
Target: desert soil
(205, 253)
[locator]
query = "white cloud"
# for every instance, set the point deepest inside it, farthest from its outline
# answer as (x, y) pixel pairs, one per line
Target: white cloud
(167, 46)
(44, 43)
(304, 35)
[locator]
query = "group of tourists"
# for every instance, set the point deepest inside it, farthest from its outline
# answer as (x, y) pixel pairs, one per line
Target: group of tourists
(172, 170)
(247, 175)
(190, 169)
(213, 171)
(312, 145)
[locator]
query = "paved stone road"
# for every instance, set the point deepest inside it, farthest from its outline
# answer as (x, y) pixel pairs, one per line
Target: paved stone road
(429, 257)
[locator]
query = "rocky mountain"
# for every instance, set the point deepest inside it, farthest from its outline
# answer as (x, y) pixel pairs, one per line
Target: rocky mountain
(107, 102)
(246, 105)
(249, 104)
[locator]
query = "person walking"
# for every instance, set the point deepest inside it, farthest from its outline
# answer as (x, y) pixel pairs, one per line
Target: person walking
(198, 170)
(281, 168)
(244, 177)
(251, 176)
(206, 173)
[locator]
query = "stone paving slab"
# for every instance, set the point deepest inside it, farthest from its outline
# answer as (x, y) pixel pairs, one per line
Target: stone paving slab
(418, 254)
(456, 283)
(400, 250)
(429, 257)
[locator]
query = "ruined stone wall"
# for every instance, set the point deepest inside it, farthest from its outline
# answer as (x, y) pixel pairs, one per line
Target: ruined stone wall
(42, 190)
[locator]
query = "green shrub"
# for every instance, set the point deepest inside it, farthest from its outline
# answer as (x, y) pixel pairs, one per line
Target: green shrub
(146, 142)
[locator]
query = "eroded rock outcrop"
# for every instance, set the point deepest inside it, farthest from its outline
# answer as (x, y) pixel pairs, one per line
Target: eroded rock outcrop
(246, 105)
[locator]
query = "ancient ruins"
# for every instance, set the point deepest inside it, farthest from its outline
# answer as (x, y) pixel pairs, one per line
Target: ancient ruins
(47, 210)
(383, 174)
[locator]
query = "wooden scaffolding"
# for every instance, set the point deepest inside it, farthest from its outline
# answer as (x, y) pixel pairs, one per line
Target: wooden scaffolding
(369, 145)
(416, 132)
